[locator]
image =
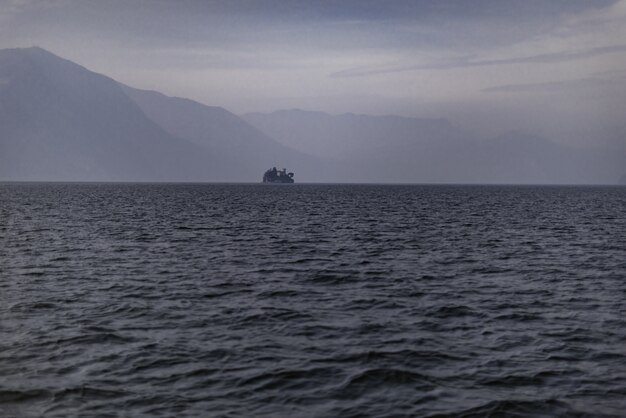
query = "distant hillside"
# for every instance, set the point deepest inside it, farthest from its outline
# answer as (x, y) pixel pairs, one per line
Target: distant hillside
(397, 149)
(62, 122)
(224, 134)
(349, 135)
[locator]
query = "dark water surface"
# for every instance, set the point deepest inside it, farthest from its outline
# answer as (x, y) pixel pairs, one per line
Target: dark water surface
(312, 300)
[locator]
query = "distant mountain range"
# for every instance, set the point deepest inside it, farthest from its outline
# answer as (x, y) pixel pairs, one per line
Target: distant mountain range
(349, 135)
(62, 122)
(397, 149)
(59, 121)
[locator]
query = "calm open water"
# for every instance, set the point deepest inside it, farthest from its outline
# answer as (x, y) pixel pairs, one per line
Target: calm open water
(312, 300)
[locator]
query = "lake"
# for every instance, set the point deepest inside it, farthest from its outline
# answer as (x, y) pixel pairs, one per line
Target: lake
(312, 300)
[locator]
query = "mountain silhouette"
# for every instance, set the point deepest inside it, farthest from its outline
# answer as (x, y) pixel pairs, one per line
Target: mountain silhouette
(62, 122)
(400, 149)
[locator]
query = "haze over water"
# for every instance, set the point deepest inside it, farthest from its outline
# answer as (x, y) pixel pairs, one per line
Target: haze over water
(312, 300)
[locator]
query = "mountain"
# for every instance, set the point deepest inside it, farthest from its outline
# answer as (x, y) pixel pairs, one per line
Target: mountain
(59, 121)
(225, 134)
(62, 122)
(409, 150)
(349, 135)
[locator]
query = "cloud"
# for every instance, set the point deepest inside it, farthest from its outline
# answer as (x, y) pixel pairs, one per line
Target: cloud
(559, 86)
(373, 10)
(13, 7)
(575, 35)
(465, 62)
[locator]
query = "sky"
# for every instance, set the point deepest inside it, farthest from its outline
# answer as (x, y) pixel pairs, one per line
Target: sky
(550, 67)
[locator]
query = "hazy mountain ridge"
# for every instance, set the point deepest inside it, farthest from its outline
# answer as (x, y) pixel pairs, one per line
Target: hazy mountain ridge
(344, 136)
(223, 133)
(396, 149)
(62, 122)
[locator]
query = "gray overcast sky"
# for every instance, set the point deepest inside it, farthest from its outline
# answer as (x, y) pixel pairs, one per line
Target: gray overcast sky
(553, 67)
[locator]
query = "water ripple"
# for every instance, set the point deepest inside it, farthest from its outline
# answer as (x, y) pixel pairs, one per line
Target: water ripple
(312, 301)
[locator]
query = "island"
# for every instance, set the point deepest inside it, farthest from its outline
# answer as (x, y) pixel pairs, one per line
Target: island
(277, 176)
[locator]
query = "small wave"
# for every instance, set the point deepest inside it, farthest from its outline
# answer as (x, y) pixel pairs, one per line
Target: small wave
(88, 392)
(98, 338)
(8, 396)
(34, 273)
(32, 306)
(489, 270)
(397, 357)
(515, 408)
(334, 278)
(540, 378)
(279, 294)
(519, 316)
(60, 258)
(453, 311)
(373, 304)
(292, 379)
(372, 379)
(279, 315)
